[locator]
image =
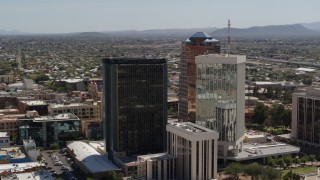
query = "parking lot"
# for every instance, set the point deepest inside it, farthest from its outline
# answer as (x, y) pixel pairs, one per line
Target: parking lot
(60, 164)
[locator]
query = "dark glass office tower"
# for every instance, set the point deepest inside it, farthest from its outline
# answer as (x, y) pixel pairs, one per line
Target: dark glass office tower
(134, 105)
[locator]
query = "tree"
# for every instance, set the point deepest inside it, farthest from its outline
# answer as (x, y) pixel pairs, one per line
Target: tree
(279, 115)
(280, 162)
(54, 146)
(254, 170)
(288, 160)
(270, 161)
(234, 169)
(39, 158)
(291, 176)
(270, 174)
(312, 157)
(41, 77)
(260, 113)
(304, 159)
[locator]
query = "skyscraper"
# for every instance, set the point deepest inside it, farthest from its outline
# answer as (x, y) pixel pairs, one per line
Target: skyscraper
(134, 105)
(220, 99)
(198, 44)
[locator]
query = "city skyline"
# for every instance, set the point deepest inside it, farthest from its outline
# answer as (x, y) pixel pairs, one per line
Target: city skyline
(38, 16)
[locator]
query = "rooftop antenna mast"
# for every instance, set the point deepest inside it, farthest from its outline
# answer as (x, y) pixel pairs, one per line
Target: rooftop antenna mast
(229, 39)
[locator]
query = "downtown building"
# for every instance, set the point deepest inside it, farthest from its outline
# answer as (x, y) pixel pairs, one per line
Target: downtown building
(198, 44)
(220, 99)
(134, 106)
(306, 117)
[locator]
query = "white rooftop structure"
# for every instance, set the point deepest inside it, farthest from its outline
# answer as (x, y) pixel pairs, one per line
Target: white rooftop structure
(90, 158)
(4, 134)
(36, 175)
(59, 117)
(255, 151)
(21, 167)
(72, 80)
(305, 69)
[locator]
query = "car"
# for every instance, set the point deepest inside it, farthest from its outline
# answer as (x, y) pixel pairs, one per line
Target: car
(65, 168)
(58, 163)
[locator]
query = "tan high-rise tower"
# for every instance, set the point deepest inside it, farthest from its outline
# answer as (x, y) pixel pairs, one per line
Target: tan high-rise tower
(198, 44)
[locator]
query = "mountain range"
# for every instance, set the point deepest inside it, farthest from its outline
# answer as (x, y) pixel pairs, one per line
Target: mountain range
(302, 29)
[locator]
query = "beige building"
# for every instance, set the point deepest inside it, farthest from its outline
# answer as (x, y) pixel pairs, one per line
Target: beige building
(86, 112)
(6, 78)
(195, 148)
(156, 166)
(8, 123)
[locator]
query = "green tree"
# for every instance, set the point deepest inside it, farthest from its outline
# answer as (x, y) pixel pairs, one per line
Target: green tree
(270, 174)
(39, 158)
(54, 146)
(279, 116)
(260, 113)
(288, 160)
(291, 176)
(254, 170)
(312, 157)
(304, 158)
(280, 162)
(41, 77)
(234, 169)
(270, 161)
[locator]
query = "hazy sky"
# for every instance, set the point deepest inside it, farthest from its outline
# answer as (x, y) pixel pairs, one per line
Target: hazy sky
(55, 16)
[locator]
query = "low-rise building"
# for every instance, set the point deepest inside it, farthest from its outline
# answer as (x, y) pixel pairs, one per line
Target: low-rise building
(6, 78)
(89, 160)
(86, 112)
(49, 129)
(4, 139)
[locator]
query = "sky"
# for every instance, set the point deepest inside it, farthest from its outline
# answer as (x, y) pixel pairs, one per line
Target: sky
(62, 16)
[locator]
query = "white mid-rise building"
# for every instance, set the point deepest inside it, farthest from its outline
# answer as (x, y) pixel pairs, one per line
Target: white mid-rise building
(195, 148)
(220, 99)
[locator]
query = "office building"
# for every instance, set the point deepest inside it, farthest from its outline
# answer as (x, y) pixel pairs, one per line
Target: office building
(89, 112)
(156, 166)
(220, 99)
(46, 130)
(195, 148)
(134, 106)
(4, 139)
(198, 44)
(306, 117)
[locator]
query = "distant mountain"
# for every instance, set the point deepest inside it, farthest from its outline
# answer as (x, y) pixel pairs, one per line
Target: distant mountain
(13, 32)
(268, 31)
(315, 26)
(162, 32)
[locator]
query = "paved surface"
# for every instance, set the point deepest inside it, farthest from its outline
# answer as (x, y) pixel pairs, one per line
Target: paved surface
(72, 174)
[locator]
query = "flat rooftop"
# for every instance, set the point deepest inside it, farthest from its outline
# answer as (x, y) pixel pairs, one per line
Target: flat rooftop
(59, 117)
(255, 151)
(190, 127)
(156, 157)
(4, 135)
(15, 152)
(91, 159)
(34, 103)
(70, 105)
(20, 167)
(133, 61)
(36, 175)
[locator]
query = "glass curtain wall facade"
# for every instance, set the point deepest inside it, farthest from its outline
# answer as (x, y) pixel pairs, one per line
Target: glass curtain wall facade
(306, 117)
(220, 99)
(216, 98)
(135, 104)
